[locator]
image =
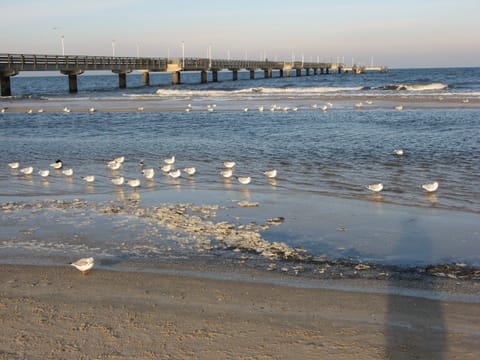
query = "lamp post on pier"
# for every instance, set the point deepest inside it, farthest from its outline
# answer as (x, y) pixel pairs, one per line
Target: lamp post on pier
(183, 55)
(62, 39)
(113, 48)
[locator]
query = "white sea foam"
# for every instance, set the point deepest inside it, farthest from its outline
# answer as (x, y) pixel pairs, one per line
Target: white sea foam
(417, 87)
(255, 91)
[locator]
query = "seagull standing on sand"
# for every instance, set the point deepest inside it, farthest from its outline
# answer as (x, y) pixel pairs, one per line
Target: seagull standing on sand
(430, 187)
(84, 265)
(375, 187)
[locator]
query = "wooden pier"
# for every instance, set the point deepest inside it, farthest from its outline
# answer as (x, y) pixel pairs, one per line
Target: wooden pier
(72, 66)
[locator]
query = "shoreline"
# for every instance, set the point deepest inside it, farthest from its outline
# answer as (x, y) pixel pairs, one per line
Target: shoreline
(155, 104)
(56, 312)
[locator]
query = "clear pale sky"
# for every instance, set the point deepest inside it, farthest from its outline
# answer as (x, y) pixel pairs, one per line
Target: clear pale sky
(395, 33)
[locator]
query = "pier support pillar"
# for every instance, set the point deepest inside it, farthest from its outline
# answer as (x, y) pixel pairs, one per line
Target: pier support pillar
(176, 77)
(299, 72)
(234, 75)
(215, 75)
(122, 77)
(252, 74)
(327, 71)
(122, 80)
(203, 77)
(268, 73)
(307, 71)
(281, 73)
(322, 71)
(5, 85)
(146, 78)
(72, 79)
(5, 88)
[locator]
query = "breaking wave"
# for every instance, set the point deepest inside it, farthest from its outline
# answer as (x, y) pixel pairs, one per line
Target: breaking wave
(415, 87)
(259, 91)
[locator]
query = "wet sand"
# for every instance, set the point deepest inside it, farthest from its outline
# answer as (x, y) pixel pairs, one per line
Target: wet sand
(55, 312)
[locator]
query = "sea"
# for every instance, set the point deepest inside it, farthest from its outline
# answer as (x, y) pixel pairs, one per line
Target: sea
(328, 136)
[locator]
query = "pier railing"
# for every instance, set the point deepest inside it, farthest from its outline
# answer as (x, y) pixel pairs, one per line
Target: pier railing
(18, 62)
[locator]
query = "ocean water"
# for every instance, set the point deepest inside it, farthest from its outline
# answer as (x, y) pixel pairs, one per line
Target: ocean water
(324, 159)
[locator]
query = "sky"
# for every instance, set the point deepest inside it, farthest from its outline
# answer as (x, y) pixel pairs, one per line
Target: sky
(393, 33)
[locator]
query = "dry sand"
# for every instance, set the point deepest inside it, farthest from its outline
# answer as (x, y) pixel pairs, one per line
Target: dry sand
(56, 313)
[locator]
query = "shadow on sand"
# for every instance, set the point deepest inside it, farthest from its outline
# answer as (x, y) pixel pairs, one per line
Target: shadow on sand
(415, 326)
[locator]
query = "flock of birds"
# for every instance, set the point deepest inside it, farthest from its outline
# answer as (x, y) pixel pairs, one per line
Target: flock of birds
(429, 187)
(213, 107)
(168, 168)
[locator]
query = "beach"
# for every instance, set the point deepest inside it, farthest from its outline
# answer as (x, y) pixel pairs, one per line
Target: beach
(310, 264)
(55, 312)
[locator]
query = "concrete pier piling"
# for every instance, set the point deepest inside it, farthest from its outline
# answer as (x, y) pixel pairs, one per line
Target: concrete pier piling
(72, 79)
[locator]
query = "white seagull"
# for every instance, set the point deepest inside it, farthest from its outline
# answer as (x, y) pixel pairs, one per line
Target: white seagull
(190, 170)
(229, 164)
(399, 107)
(227, 173)
(118, 180)
(175, 174)
(430, 187)
(134, 183)
(170, 161)
(27, 170)
(114, 165)
(148, 173)
(67, 172)
(89, 178)
(270, 173)
(84, 265)
(119, 159)
(375, 187)
(44, 173)
(57, 165)
(244, 180)
(167, 168)
(13, 165)
(399, 152)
